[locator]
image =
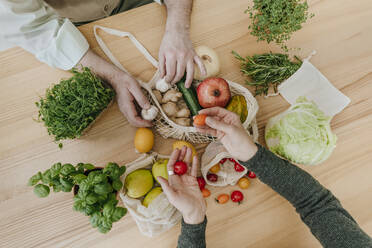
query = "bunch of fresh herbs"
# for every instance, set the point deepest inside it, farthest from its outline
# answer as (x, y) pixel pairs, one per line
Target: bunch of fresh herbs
(96, 194)
(277, 20)
(72, 105)
(266, 70)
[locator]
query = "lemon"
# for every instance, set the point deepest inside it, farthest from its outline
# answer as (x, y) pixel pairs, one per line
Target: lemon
(144, 140)
(160, 169)
(138, 183)
(155, 192)
(180, 143)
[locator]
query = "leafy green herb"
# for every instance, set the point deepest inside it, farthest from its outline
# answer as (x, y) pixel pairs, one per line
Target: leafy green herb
(277, 20)
(266, 70)
(96, 196)
(72, 105)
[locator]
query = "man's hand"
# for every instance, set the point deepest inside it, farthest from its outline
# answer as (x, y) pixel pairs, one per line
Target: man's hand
(183, 191)
(127, 88)
(176, 53)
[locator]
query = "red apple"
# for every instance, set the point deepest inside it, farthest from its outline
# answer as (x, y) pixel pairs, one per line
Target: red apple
(213, 92)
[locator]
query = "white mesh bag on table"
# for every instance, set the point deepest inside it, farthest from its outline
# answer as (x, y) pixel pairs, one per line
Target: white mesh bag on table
(162, 124)
(160, 215)
(213, 154)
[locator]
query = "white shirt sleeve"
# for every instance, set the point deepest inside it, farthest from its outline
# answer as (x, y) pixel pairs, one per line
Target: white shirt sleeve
(37, 28)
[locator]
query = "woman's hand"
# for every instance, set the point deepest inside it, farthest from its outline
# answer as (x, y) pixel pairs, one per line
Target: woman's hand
(183, 191)
(226, 126)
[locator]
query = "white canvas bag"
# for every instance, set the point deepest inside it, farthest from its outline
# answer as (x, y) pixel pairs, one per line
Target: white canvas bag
(160, 215)
(162, 124)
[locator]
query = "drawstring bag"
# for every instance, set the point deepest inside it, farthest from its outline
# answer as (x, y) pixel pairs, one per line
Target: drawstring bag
(162, 123)
(227, 175)
(160, 215)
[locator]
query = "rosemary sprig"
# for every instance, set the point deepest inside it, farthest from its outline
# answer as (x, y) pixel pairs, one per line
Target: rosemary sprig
(72, 105)
(266, 70)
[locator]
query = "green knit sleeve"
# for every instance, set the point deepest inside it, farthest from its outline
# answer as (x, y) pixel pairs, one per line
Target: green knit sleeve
(192, 236)
(318, 208)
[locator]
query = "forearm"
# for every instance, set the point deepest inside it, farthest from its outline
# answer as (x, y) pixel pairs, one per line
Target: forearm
(105, 70)
(192, 236)
(330, 223)
(178, 15)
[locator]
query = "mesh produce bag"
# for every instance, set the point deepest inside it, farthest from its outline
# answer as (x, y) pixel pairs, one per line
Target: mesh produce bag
(162, 123)
(214, 153)
(160, 215)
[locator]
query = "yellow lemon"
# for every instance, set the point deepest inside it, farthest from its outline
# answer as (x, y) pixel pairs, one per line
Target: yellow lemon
(144, 140)
(155, 192)
(180, 143)
(138, 183)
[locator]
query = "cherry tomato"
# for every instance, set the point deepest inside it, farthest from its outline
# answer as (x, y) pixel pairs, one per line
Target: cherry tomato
(205, 192)
(212, 177)
(201, 182)
(215, 168)
(232, 160)
(251, 174)
(223, 160)
(222, 199)
(237, 196)
(180, 168)
(244, 183)
(199, 120)
(238, 167)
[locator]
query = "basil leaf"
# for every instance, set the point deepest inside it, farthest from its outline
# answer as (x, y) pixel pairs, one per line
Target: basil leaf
(103, 188)
(55, 169)
(100, 178)
(91, 198)
(89, 166)
(78, 178)
(46, 177)
(67, 169)
(122, 170)
(41, 190)
(117, 185)
(35, 179)
(118, 213)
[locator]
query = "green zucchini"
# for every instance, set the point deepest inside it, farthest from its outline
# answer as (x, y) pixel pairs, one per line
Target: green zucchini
(190, 97)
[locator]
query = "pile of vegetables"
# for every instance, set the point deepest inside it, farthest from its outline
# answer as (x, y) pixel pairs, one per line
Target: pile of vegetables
(301, 134)
(69, 107)
(267, 70)
(94, 188)
(276, 20)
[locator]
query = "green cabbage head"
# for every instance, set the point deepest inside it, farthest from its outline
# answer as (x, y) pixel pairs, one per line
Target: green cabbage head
(301, 134)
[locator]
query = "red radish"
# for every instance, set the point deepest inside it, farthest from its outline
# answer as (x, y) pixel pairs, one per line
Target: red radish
(212, 177)
(237, 196)
(201, 182)
(251, 174)
(223, 160)
(180, 168)
(238, 167)
(213, 92)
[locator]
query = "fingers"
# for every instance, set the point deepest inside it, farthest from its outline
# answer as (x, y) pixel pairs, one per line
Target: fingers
(173, 159)
(162, 65)
(188, 156)
(209, 131)
(189, 74)
(137, 93)
(218, 125)
(181, 66)
(167, 189)
(216, 111)
(170, 64)
(128, 108)
(199, 62)
(195, 165)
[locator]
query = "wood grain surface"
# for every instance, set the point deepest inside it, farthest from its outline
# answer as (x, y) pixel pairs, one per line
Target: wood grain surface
(341, 33)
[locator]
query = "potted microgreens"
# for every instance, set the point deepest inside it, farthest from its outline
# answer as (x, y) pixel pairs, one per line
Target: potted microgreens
(72, 105)
(95, 190)
(277, 20)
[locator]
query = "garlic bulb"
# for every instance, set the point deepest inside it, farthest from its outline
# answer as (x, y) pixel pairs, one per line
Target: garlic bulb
(149, 114)
(162, 85)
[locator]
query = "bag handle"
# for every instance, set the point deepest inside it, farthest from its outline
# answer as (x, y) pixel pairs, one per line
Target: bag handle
(119, 33)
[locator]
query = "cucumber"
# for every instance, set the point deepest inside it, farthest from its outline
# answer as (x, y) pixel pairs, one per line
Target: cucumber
(190, 97)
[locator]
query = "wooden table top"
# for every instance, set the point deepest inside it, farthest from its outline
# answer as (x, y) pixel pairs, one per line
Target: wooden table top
(340, 33)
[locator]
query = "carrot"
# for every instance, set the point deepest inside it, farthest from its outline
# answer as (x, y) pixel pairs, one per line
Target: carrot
(199, 120)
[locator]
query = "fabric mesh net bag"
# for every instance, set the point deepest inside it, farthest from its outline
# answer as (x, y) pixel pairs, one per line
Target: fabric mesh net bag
(162, 123)
(213, 154)
(160, 215)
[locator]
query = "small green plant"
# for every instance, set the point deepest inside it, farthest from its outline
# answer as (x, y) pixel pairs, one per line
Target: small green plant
(95, 190)
(277, 20)
(69, 107)
(267, 70)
